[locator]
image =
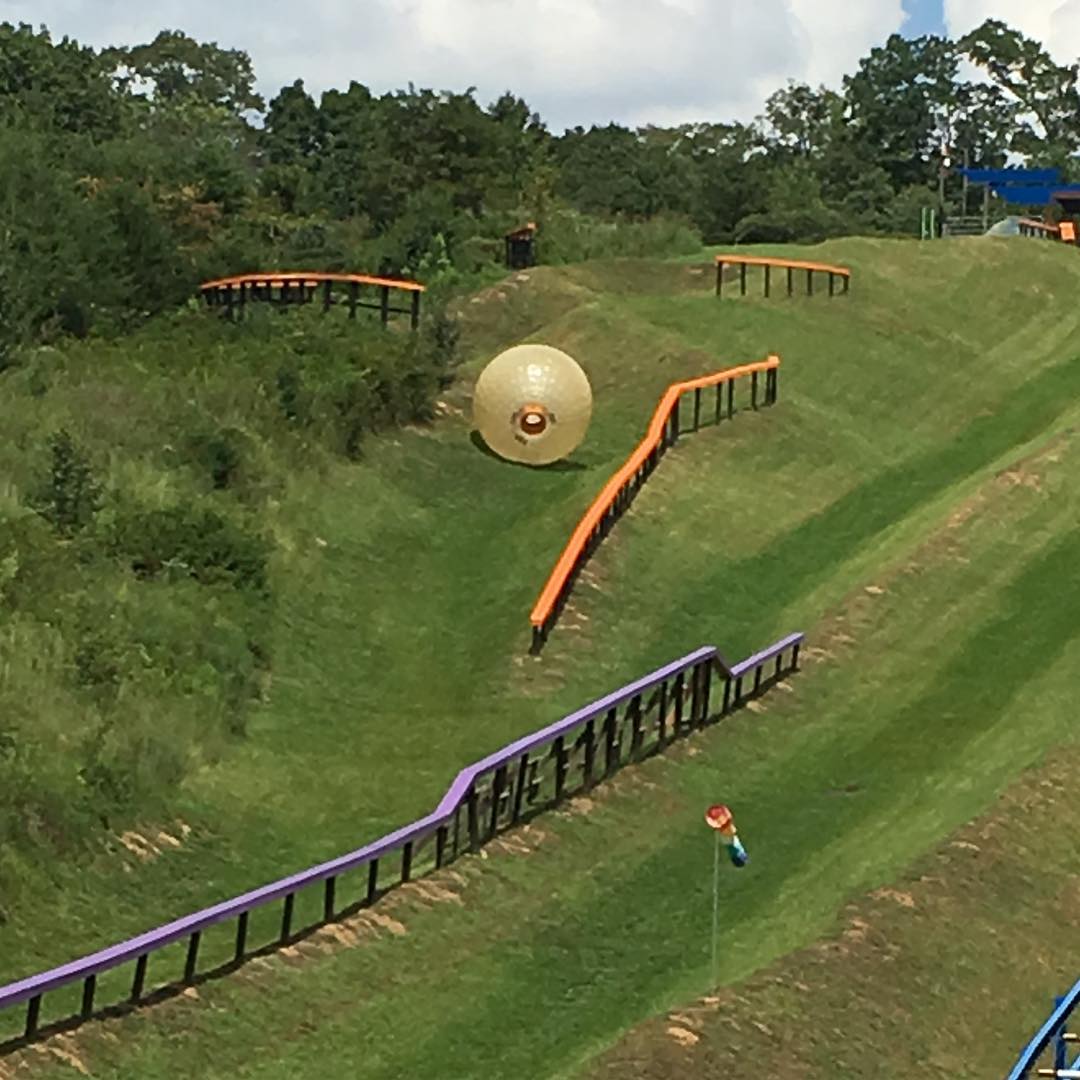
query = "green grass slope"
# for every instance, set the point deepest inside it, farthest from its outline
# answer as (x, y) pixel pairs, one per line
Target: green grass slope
(401, 628)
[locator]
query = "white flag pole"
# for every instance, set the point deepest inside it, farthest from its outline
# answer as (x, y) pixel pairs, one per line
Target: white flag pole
(715, 905)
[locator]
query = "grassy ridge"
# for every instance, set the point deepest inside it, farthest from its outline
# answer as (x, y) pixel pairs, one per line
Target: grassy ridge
(399, 656)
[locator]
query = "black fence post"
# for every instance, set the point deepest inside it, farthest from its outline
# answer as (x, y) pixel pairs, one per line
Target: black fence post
(611, 746)
(767, 269)
(329, 888)
(498, 786)
(33, 1015)
(406, 862)
(192, 956)
(706, 690)
(286, 917)
(847, 282)
(831, 284)
(241, 937)
(519, 791)
(559, 752)
(742, 279)
(809, 282)
(753, 389)
(89, 985)
(719, 278)
(790, 282)
(636, 733)
(474, 818)
(139, 981)
(441, 834)
(731, 398)
(679, 688)
(719, 400)
(697, 407)
(589, 739)
(662, 709)
(372, 880)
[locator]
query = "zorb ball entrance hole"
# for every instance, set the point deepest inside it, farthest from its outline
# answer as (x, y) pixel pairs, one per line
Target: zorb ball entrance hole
(532, 404)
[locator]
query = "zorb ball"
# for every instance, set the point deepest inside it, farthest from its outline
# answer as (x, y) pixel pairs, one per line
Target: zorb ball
(532, 404)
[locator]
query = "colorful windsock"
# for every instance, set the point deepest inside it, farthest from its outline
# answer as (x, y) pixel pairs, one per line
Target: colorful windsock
(719, 817)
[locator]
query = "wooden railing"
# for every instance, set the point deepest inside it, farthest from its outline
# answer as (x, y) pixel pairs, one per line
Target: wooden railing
(835, 273)
(538, 771)
(619, 492)
(299, 286)
(1041, 229)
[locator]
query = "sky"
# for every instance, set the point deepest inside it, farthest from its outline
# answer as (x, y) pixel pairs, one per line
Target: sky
(574, 61)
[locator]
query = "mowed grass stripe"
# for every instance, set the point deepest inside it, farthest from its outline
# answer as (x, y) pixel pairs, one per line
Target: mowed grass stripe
(399, 642)
(606, 920)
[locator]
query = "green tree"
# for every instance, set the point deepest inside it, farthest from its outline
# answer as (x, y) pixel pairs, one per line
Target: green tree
(1046, 94)
(64, 85)
(176, 68)
(899, 102)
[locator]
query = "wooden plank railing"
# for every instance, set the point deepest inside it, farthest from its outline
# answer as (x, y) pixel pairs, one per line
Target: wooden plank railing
(532, 773)
(790, 266)
(299, 287)
(621, 489)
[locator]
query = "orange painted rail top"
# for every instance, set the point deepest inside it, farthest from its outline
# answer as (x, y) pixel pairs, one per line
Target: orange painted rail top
(580, 537)
(1068, 231)
(308, 277)
(1031, 223)
(790, 264)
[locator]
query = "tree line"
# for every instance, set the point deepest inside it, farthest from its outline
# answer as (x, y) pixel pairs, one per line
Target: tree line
(162, 163)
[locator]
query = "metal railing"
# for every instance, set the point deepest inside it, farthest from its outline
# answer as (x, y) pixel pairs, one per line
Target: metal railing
(1052, 1038)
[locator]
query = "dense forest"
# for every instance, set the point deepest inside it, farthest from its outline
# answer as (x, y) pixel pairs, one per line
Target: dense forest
(162, 162)
(149, 450)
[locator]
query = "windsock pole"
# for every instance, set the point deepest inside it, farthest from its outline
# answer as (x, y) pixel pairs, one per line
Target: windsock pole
(715, 905)
(719, 819)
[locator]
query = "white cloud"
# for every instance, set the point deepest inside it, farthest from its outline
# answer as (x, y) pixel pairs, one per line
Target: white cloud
(574, 61)
(1055, 23)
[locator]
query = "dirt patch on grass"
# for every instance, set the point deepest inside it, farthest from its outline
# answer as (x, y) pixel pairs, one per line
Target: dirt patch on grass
(147, 844)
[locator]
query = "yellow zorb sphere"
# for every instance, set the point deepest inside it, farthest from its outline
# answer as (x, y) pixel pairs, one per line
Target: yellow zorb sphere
(532, 404)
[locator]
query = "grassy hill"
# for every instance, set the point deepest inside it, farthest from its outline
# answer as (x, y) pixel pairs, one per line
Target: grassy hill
(910, 503)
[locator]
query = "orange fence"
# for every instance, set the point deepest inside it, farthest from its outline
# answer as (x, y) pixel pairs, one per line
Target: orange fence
(620, 490)
(298, 287)
(1032, 227)
(836, 273)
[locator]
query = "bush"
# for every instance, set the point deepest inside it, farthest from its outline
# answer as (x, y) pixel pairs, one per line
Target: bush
(194, 541)
(70, 496)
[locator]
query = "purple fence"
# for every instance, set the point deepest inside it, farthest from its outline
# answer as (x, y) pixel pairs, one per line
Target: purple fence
(533, 773)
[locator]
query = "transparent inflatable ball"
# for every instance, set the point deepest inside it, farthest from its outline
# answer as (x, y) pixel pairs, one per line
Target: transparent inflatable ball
(532, 404)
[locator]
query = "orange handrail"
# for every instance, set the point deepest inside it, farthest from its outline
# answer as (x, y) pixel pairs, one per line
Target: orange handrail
(603, 503)
(792, 264)
(1032, 223)
(308, 277)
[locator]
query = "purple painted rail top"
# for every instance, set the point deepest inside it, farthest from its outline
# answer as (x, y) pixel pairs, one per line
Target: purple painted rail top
(152, 940)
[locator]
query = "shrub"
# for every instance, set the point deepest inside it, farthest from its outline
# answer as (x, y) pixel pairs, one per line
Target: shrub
(70, 496)
(194, 541)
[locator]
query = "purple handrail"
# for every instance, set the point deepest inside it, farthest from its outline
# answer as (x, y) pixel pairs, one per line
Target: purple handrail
(462, 788)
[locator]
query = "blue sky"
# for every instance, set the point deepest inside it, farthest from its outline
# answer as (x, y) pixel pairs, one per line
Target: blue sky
(924, 17)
